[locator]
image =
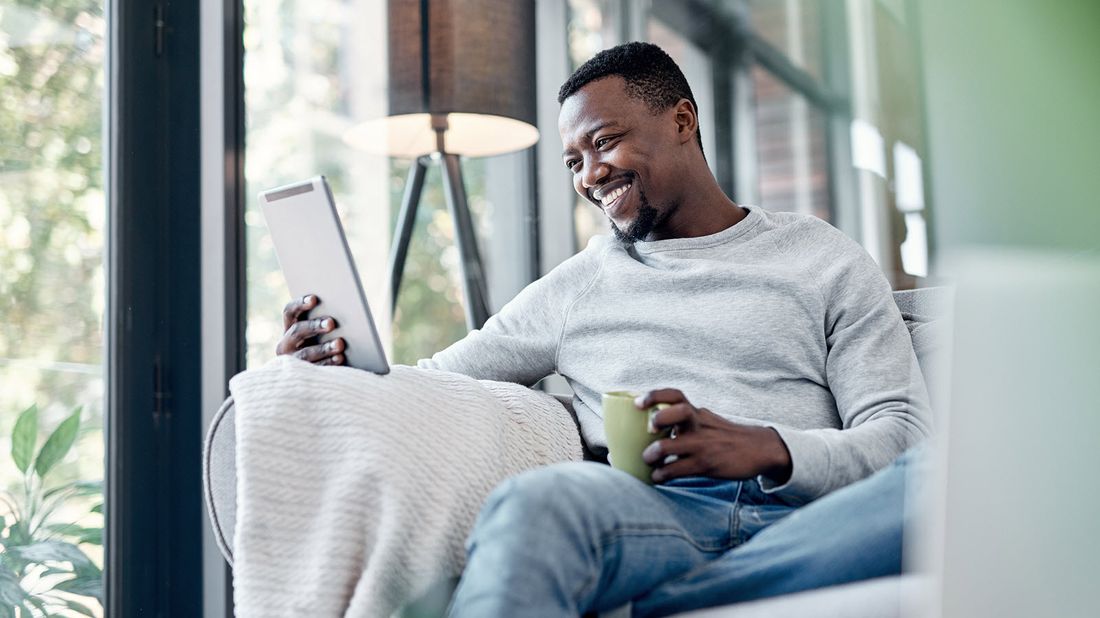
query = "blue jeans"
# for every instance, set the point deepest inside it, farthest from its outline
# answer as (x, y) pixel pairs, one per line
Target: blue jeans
(578, 537)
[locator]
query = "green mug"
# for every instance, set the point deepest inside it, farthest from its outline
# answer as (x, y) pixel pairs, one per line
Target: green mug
(627, 429)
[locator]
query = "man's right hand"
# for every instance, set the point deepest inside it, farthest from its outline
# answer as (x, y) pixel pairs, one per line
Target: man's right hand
(302, 332)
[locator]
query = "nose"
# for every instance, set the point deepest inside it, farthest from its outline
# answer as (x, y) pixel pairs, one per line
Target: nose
(593, 173)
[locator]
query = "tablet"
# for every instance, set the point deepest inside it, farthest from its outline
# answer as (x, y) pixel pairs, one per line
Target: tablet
(313, 253)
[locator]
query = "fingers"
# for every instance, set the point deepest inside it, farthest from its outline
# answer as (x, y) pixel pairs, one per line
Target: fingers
(681, 447)
(335, 359)
(680, 415)
(663, 395)
(294, 310)
(328, 353)
(677, 458)
(301, 332)
(690, 466)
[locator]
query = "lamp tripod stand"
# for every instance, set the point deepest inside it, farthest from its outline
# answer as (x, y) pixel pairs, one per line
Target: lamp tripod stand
(454, 190)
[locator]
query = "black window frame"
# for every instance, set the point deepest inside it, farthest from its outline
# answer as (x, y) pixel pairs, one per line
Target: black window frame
(153, 436)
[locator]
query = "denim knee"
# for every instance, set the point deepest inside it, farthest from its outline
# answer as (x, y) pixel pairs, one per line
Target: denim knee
(559, 495)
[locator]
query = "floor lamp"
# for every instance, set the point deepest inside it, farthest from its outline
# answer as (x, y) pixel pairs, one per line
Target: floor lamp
(461, 83)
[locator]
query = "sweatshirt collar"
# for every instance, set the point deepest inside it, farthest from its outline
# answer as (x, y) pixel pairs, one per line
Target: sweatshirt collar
(729, 234)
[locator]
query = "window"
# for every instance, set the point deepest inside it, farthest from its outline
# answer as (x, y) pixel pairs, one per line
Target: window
(698, 70)
(52, 299)
(429, 313)
(307, 81)
(790, 129)
(794, 27)
(311, 73)
(591, 29)
(792, 168)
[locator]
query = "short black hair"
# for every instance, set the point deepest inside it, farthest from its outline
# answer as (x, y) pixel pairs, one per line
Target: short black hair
(651, 76)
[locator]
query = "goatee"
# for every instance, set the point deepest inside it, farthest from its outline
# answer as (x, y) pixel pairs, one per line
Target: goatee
(648, 219)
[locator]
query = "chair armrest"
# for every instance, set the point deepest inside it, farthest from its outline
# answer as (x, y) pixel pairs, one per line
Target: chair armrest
(219, 477)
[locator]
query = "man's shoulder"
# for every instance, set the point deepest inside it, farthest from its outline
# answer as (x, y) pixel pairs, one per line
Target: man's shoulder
(579, 268)
(806, 235)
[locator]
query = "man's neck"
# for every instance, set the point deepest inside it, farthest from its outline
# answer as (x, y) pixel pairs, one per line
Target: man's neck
(707, 211)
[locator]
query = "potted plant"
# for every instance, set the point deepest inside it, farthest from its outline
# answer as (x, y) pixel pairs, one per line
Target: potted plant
(42, 566)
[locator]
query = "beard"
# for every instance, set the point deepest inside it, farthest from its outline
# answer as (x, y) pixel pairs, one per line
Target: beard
(648, 219)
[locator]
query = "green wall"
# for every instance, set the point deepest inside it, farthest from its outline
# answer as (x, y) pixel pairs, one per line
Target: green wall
(1012, 91)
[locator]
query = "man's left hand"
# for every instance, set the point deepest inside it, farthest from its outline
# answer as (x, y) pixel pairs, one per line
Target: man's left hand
(706, 444)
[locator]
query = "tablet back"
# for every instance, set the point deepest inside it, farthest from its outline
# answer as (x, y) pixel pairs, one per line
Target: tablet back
(314, 255)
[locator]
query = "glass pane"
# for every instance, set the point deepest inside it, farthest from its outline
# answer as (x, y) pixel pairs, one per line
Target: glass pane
(312, 71)
(591, 28)
(698, 70)
(430, 313)
(793, 172)
(52, 301)
(793, 27)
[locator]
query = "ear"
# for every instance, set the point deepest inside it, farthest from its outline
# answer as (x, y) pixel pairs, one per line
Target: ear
(687, 120)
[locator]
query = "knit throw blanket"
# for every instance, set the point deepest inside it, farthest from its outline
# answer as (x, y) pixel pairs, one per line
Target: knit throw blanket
(355, 492)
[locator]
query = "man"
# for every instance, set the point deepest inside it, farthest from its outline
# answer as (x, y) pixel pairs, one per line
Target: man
(784, 329)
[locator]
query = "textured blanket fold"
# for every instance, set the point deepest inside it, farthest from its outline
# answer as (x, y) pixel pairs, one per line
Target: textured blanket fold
(355, 492)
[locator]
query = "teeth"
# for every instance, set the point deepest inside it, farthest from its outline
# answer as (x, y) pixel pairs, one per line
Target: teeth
(614, 195)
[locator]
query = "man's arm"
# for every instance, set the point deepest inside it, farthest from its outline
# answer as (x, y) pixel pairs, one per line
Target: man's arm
(874, 377)
(520, 343)
(875, 380)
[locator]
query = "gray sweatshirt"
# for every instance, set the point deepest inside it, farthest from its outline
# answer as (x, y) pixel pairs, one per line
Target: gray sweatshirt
(779, 320)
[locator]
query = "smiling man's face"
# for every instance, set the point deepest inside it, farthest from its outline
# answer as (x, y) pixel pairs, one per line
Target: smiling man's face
(623, 157)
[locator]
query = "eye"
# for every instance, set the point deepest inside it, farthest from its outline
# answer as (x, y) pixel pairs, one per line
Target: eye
(601, 142)
(571, 163)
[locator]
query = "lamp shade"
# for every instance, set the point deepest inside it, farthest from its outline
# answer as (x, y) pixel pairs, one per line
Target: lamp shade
(463, 68)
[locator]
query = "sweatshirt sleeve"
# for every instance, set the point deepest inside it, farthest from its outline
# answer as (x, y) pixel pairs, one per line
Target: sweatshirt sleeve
(520, 343)
(874, 377)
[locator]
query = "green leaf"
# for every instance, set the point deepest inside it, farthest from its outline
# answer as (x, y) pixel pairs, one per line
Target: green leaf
(78, 608)
(80, 533)
(89, 488)
(23, 437)
(66, 529)
(37, 602)
(9, 562)
(55, 571)
(11, 593)
(58, 444)
(53, 491)
(54, 551)
(78, 488)
(91, 536)
(18, 535)
(98, 508)
(86, 585)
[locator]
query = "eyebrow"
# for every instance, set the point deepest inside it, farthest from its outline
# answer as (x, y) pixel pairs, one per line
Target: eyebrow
(610, 123)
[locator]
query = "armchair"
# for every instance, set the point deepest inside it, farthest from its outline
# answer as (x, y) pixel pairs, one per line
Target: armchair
(925, 312)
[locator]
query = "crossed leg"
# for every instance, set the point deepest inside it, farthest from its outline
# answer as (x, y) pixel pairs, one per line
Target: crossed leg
(852, 534)
(577, 537)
